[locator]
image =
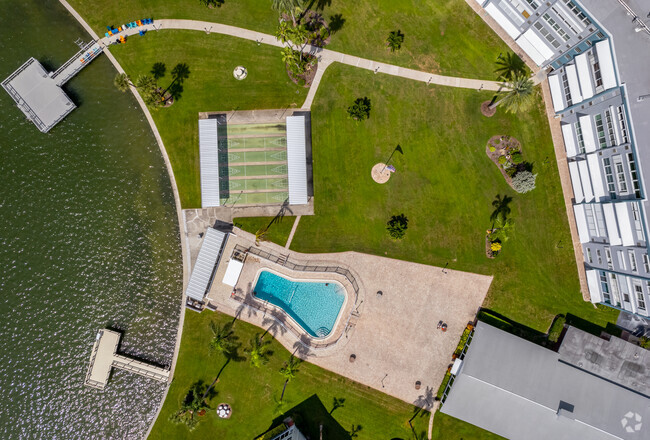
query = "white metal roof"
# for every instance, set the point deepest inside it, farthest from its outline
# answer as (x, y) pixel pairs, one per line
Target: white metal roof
(209, 157)
(624, 223)
(575, 181)
(584, 76)
(503, 21)
(297, 160)
(205, 263)
(596, 176)
(586, 181)
(557, 93)
(574, 84)
(612, 226)
(594, 286)
(588, 134)
(581, 223)
(233, 271)
(569, 140)
(530, 49)
(606, 64)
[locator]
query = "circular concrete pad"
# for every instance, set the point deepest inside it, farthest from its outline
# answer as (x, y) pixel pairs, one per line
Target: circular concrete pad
(378, 175)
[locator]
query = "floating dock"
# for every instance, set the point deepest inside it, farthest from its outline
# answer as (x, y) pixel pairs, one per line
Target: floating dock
(104, 357)
(38, 94)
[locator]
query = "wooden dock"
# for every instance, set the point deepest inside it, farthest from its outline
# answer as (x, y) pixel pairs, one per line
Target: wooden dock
(104, 357)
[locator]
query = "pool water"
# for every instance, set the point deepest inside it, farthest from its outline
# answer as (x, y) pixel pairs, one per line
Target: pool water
(313, 305)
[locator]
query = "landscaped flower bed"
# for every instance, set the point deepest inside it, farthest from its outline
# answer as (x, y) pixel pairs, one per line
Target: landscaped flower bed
(505, 152)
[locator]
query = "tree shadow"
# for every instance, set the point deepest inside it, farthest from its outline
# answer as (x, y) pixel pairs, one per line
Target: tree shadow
(337, 402)
(274, 326)
(309, 415)
(336, 23)
(300, 348)
(175, 91)
(501, 207)
(318, 4)
(158, 70)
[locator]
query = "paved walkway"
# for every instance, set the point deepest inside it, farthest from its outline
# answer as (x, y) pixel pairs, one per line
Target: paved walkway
(325, 56)
(293, 232)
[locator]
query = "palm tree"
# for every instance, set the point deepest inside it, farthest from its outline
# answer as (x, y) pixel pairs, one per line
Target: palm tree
(395, 40)
(502, 229)
(518, 95)
(290, 6)
(289, 371)
(122, 82)
(193, 403)
(258, 351)
(224, 341)
(149, 90)
(509, 67)
(260, 235)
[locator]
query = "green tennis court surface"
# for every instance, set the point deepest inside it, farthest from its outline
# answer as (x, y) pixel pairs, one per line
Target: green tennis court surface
(257, 184)
(252, 171)
(253, 156)
(278, 142)
(256, 129)
(267, 198)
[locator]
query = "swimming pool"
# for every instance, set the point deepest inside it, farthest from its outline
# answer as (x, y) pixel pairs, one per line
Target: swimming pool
(313, 305)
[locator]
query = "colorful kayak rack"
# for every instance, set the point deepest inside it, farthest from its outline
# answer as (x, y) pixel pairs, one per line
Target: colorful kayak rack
(134, 24)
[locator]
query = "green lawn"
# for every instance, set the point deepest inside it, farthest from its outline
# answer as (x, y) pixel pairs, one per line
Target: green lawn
(448, 428)
(442, 36)
(445, 185)
(253, 394)
(210, 87)
(278, 232)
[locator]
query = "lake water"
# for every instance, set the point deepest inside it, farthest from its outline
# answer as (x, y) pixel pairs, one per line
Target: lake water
(88, 239)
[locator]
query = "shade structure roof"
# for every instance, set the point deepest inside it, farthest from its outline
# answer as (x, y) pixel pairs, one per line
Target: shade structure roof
(206, 262)
(297, 160)
(209, 158)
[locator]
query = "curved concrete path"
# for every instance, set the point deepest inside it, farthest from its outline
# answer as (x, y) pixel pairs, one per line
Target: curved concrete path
(325, 56)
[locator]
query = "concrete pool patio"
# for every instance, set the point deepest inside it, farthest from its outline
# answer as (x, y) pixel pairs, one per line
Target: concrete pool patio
(393, 336)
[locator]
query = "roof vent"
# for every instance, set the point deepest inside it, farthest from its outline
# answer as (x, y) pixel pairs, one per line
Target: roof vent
(565, 409)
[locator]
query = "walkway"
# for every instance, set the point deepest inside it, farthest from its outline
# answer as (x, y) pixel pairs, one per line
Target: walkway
(325, 56)
(293, 232)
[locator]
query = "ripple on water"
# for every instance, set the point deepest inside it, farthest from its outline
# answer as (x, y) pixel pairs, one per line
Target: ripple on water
(88, 239)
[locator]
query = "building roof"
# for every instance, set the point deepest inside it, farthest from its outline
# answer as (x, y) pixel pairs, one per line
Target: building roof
(206, 261)
(209, 158)
(37, 95)
(297, 160)
(630, 48)
(520, 390)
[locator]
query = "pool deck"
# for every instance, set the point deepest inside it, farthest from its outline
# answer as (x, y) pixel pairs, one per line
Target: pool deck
(393, 336)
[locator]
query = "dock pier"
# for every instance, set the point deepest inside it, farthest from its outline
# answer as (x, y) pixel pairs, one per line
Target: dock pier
(104, 357)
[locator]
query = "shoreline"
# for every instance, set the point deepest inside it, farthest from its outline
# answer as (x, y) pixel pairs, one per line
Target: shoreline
(177, 202)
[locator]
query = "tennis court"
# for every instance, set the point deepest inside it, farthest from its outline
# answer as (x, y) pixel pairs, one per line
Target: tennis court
(253, 164)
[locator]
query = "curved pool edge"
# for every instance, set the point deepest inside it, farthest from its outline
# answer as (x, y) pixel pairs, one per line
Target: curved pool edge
(177, 203)
(339, 315)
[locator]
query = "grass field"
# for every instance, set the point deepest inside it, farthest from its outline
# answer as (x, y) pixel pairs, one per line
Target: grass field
(445, 185)
(210, 87)
(442, 36)
(253, 394)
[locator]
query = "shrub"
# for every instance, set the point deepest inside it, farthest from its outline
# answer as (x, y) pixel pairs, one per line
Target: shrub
(524, 181)
(511, 171)
(397, 226)
(495, 246)
(395, 40)
(502, 160)
(516, 157)
(492, 149)
(644, 342)
(360, 110)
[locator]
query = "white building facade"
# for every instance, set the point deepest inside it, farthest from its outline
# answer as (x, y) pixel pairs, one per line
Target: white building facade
(566, 39)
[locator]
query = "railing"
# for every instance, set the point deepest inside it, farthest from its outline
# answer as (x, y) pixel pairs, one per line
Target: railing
(283, 260)
(140, 368)
(74, 59)
(452, 377)
(88, 381)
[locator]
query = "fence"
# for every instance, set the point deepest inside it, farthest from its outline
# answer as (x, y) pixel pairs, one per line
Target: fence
(283, 260)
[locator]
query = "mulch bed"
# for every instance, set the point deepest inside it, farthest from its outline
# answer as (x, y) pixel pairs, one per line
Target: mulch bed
(308, 76)
(488, 249)
(501, 144)
(486, 110)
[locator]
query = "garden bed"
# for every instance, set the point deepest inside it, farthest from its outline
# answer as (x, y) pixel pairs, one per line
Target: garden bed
(305, 79)
(508, 148)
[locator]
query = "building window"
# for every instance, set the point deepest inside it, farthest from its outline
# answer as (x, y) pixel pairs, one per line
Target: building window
(604, 286)
(646, 263)
(577, 12)
(581, 139)
(610, 127)
(634, 174)
(637, 222)
(640, 301)
(556, 27)
(609, 177)
(546, 34)
(595, 66)
(600, 35)
(622, 125)
(600, 129)
(621, 260)
(564, 19)
(632, 257)
(567, 90)
(616, 294)
(608, 256)
(620, 174)
(533, 4)
(589, 257)
(600, 257)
